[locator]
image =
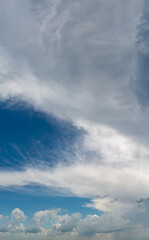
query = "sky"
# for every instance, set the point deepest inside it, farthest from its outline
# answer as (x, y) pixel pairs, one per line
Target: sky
(74, 132)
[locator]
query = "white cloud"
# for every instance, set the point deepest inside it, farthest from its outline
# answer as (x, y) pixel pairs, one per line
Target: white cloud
(68, 223)
(106, 223)
(89, 179)
(15, 224)
(109, 205)
(65, 62)
(112, 146)
(61, 224)
(42, 217)
(17, 216)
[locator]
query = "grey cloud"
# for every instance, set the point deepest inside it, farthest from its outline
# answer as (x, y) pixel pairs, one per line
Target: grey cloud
(141, 83)
(33, 230)
(136, 233)
(142, 200)
(95, 226)
(64, 224)
(73, 60)
(69, 224)
(102, 224)
(4, 229)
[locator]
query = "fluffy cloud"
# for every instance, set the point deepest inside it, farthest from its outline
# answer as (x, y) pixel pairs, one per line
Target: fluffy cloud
(17, 216)
(41, 217)
(104, 227)
(57, 223)
(15, 224)
(107, 223)
(68, 223)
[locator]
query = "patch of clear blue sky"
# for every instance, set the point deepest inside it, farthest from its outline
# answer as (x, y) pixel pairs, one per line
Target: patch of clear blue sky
(28, 137)
(30, 203)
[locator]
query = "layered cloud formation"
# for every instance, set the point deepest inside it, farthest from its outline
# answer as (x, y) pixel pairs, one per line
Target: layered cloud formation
(86, 63)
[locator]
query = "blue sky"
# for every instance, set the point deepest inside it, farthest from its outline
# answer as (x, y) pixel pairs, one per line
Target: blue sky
(74, 93)
(30, 137)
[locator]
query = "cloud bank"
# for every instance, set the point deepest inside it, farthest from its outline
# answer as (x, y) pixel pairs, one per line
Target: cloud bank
(58, 223)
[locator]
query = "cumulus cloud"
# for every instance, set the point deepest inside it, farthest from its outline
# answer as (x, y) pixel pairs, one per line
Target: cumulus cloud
(15, 224)
(104, 224)
(58, 223)
(68, 223)
(17, 216)
(41, 217)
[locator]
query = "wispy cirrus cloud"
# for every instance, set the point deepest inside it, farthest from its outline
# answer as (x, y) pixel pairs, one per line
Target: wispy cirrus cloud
(70, 67)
